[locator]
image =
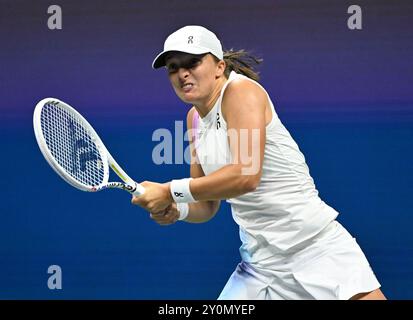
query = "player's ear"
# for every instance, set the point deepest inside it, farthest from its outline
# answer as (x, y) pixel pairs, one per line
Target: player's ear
(220, 68)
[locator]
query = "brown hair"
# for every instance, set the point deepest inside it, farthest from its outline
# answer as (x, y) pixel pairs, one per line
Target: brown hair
(241, 62)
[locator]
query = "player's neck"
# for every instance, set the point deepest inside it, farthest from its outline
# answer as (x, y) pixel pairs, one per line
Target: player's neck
(204, 108)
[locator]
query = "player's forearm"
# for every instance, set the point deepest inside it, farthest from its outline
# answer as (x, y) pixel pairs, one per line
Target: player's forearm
(225, 183)
(202, 211)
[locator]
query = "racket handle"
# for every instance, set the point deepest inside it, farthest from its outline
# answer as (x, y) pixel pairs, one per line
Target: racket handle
(139, 190)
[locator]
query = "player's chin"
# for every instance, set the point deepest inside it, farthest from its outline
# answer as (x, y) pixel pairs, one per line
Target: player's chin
(185, 99)
(188, 97)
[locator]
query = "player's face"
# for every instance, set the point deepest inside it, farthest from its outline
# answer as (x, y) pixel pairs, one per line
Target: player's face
(193, 77)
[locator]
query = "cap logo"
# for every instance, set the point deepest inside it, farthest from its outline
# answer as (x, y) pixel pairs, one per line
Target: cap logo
(191, 39)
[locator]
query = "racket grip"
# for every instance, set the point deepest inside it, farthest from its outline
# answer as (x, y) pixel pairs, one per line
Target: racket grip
(139, 190)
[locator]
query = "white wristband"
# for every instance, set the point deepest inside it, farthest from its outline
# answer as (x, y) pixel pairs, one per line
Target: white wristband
(180, 191)
(183, 209)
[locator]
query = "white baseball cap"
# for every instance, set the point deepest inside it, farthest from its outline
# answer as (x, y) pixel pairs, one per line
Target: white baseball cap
(190, 39)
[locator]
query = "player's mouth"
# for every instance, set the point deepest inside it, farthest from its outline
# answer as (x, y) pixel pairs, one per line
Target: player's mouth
(187, 87)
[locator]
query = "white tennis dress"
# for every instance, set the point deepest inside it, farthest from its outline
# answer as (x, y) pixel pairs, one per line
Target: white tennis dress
(292, 247)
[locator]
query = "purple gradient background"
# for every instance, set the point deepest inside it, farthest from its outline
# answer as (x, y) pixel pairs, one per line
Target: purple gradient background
(346, 97)
(102, 56)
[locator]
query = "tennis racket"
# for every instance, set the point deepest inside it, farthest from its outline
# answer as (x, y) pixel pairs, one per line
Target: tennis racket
(74, 150)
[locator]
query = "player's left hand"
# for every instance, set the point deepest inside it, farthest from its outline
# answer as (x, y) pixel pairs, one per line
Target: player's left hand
(156, 198)
(166, 217)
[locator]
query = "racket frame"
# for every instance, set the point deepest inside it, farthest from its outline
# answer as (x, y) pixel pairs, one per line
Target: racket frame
(108, 161)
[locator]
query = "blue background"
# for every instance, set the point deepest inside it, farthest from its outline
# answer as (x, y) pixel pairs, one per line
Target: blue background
(346, 97)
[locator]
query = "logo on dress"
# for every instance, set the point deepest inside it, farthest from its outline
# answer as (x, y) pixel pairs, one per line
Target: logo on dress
(218, 122)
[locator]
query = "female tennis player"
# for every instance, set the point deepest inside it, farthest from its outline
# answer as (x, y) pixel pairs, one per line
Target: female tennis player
(292, 245)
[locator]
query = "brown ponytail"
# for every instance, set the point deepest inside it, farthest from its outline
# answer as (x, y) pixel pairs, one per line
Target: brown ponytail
(241, 62)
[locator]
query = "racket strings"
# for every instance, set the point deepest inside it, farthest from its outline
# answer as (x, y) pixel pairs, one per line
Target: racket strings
(72, 146)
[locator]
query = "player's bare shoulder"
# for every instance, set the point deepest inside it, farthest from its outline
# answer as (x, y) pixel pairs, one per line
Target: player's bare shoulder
(243, 93)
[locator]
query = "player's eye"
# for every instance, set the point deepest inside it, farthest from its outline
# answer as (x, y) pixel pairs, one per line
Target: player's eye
(172, 68)
(191, 63)
(194, 62)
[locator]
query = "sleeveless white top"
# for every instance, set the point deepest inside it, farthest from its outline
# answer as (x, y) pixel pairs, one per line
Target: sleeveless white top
(285, 208)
